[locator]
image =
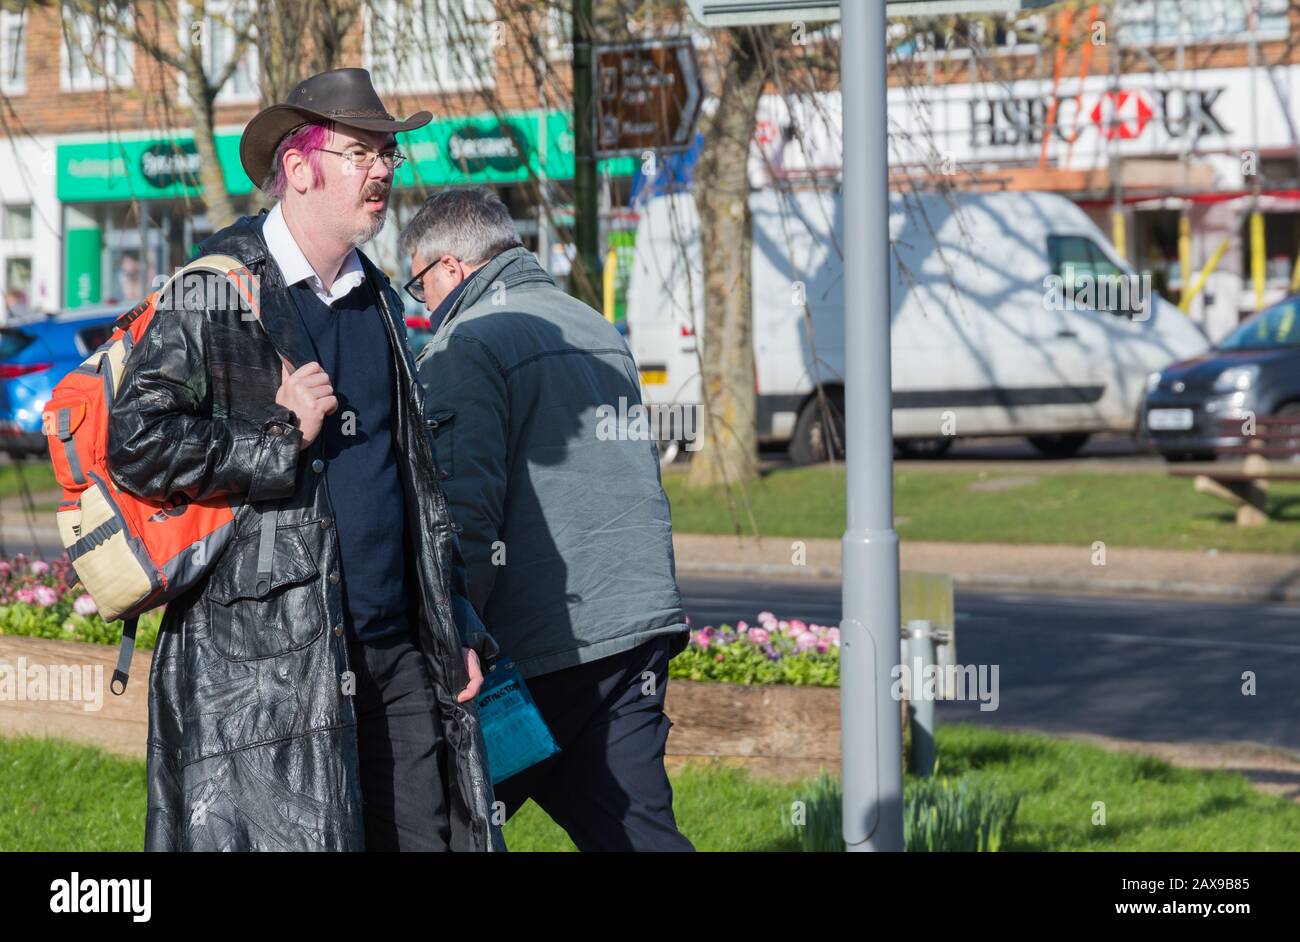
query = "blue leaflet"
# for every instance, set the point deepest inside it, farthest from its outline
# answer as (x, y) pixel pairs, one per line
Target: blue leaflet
(516, 735)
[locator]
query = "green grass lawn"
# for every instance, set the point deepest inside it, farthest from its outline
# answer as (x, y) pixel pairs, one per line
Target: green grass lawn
(1124, 509)
(59, 796)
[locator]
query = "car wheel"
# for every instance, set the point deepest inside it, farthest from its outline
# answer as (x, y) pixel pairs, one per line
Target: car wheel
(1065, 445)
(922, 447)
(810, 443)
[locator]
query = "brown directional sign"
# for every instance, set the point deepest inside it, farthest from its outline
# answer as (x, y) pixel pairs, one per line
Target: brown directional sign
(647, 97)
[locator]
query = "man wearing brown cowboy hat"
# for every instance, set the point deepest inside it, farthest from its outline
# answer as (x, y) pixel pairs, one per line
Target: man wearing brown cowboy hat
(327, 705)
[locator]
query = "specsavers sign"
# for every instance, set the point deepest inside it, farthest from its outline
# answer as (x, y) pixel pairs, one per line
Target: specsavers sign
(447, 151)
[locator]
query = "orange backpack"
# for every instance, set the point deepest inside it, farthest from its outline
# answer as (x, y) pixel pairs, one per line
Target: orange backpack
(131, 554)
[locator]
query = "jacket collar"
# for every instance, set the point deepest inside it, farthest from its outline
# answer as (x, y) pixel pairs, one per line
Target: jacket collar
(509, 269)
(445, 305)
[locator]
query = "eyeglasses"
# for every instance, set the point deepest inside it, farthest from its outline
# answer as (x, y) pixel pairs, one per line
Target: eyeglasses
(364, 159)
(415, 287)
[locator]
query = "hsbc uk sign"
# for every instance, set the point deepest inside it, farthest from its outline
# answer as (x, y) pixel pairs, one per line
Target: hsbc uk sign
(1125, 114)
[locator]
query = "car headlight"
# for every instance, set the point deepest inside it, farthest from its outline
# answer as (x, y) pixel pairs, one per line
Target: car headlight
(1153, 382)
(1237, 378)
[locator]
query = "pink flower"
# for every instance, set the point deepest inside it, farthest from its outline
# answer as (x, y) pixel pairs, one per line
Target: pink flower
(25, 595)
(833, 636)
(806, 640)
(759, 635)
(742, 626)
(823, 646)
(703, 642)
(85, 605)
(797, 627)
(40, 567)
(718, 658)
(708, 631)
(766, 616)
(5, 567)
(45, 596)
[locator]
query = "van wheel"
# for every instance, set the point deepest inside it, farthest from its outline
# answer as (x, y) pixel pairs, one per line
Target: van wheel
(1065, 445)
(923, 447)
(810, 443)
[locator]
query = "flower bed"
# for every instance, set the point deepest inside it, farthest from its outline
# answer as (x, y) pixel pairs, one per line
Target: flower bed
(775, 651)
(36, 601)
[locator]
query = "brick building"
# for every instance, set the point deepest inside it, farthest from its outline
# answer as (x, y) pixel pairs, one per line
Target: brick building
(99, 168)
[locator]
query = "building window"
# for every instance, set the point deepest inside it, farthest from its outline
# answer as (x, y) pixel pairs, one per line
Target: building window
(18, 288)
(95, 56)
(923, 39)
(225, 23)
(13, 52)
(16, 222)
(431, 45)
(1143, 22)
(559, 33)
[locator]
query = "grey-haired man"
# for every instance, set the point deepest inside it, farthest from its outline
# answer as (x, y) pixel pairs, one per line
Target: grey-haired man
(565, 528)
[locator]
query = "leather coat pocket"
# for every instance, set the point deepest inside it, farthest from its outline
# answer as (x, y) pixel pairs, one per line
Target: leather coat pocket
(441, 426)
(285, 616)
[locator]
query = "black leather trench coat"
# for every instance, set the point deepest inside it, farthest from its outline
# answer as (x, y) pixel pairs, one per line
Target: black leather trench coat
(252, 727)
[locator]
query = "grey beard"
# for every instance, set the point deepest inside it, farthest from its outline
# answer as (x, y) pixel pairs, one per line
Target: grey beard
(362, 236)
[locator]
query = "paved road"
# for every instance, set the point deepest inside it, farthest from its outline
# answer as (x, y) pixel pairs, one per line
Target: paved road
(1134, 669)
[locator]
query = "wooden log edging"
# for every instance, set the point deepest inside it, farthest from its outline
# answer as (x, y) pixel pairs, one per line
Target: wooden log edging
(120, 724)
(781, 731)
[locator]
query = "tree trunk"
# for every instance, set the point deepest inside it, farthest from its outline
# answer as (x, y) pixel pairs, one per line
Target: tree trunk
(728, 452)
(216, 197)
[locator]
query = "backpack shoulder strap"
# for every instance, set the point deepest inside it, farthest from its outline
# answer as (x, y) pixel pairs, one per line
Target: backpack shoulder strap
(244, 281)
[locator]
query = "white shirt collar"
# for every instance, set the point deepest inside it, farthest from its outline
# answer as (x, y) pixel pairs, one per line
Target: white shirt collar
(295, 267)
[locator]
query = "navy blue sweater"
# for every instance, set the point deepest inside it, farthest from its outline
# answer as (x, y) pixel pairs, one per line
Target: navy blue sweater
(356, 445)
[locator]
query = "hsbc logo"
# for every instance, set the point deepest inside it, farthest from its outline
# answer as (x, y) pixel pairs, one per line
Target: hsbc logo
(1123, 114)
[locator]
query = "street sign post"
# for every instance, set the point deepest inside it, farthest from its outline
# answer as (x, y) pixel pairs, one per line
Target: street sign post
(647, 97)
(871, 741)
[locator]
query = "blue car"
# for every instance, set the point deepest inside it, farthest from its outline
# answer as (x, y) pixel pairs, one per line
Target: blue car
(34, 356)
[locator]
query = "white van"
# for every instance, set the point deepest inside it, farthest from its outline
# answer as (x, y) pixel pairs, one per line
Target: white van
(985, 342)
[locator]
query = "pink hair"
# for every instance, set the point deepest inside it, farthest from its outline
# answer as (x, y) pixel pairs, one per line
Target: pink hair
(309, 139)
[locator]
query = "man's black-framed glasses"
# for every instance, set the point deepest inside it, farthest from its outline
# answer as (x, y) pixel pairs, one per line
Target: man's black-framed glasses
(364, 158)
(415, 287)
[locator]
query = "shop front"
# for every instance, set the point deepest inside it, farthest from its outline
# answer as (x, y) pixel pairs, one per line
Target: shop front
(132, 209)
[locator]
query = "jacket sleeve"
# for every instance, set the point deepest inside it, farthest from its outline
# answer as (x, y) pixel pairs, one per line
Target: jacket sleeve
(473, 633)
(460, 375)
(163, 440)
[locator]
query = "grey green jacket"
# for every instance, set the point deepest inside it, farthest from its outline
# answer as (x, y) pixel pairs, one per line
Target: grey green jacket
(564, 524)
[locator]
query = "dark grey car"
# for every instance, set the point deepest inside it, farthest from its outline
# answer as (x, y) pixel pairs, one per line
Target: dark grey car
(1254, 370)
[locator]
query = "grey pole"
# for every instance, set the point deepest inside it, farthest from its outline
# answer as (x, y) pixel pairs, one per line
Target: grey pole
(920, 657)
(869, 716)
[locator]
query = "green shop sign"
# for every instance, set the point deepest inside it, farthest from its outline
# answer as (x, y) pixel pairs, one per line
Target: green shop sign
(141, 169)
(445, 152)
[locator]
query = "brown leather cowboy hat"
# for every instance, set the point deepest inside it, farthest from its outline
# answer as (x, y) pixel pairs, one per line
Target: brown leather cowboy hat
(343, 95)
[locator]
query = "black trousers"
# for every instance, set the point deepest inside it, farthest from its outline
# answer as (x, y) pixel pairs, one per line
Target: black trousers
(606, 787)
(400, 745)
